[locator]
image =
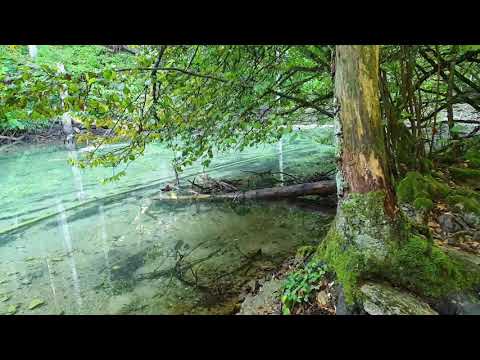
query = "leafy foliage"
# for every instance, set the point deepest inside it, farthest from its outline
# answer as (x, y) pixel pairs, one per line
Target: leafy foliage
(301, 285)
(195, 99)
(198, 100)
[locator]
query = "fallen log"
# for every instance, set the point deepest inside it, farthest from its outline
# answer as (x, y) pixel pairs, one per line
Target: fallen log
(282, 192)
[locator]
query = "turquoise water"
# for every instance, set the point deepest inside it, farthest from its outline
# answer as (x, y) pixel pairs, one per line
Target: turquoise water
(87, 248)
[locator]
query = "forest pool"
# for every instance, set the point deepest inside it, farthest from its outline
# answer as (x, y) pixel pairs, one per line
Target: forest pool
(70, 245)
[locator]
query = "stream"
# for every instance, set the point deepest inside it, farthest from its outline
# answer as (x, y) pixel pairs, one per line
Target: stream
(71, 245)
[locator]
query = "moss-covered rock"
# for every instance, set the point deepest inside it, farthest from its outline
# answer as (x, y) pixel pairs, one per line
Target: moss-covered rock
(473, 157)
(423, 204)
(382, 299)
(465, 174)
(416, 185)
(361, 219)
(414, 264)
(464, 203)
(426, 270)
(423, 190)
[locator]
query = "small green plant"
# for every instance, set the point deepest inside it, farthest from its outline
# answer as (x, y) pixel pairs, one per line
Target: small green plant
(300, 285)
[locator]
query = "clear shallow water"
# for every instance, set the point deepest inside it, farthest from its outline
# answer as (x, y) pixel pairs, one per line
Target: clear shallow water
(122, 252)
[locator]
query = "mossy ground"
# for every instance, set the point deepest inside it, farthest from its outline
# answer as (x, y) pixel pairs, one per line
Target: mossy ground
(423, 190)
(415, 265)
(412, 262)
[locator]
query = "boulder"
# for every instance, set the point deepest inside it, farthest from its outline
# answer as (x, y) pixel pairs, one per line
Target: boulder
(476, 236)
(471, 219)
(265, 302)
(448, 223)
(382, 299)
(341, 307)
(459, 304)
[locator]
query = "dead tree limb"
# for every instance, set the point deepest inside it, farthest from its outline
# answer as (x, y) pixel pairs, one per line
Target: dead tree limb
(316, 188)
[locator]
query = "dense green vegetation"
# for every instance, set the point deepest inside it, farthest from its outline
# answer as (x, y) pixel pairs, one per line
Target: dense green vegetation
(76, 60)
(404, 135)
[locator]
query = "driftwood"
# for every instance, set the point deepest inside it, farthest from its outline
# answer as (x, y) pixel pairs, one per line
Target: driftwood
(283, 192)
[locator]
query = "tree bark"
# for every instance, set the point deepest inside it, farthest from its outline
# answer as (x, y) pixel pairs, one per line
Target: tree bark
(364, 163)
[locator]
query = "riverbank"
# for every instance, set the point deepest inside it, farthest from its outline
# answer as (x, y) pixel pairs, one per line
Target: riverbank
(443, 208)
(51, 133)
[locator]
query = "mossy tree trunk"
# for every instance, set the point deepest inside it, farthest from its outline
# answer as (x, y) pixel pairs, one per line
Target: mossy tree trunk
(363, 162)
(368, 220)
(370, 238)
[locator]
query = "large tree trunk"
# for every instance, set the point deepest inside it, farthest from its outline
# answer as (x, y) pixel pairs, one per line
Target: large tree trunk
(369, 238)
(363, 162)
(368, 219)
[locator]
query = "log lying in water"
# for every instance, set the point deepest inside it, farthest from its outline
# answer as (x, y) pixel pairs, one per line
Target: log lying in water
(315, 188)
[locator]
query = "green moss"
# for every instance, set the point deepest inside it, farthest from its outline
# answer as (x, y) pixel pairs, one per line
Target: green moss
(465, 191)
(415, 265)
(470, 204)
(370, 204)
(473, 157)
(345, 261)
(423, 203)
(465, 174)
(304, 252)
(429, 272)
(416, 185)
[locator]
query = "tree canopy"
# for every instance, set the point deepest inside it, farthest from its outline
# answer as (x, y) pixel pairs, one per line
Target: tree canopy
(197, 99)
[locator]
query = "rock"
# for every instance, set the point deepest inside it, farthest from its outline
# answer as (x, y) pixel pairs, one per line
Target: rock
(459, 238)
(452, 240)
(12, 309)
(322, 298)
(266, 301)
(26, 281)
(381, 299)
(463, 256)
(471, 219)
(252, 285)
(409, 211)
(448, 223)
(459, 304)
(341, 306)
(476, 236)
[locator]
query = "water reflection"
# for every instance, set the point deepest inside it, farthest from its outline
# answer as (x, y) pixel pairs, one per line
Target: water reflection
(67, 242)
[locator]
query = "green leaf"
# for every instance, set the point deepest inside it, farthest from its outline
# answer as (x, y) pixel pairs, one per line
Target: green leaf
(108, 74)
(12, 309)
(35, 303)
